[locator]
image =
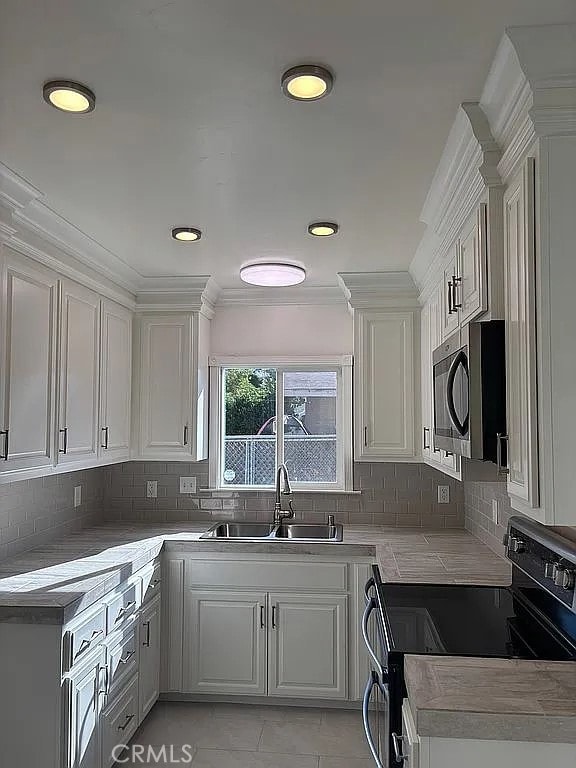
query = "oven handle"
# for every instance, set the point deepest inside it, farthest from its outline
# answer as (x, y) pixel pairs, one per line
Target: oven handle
(373, 681)
(370, 606)
(459, 360)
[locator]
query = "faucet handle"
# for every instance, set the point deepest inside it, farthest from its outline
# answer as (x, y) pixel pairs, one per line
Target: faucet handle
(331, 520)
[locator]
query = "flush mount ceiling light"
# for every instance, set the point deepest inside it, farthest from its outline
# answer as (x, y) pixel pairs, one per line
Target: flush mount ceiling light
(307, 82)
(68, 96)
(323, 228)
(186, 234)
(272, 274)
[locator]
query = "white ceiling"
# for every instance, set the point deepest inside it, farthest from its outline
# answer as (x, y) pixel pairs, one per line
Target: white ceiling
(191, 127)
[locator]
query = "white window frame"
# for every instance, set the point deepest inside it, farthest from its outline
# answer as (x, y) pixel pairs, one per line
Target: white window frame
(342, 364)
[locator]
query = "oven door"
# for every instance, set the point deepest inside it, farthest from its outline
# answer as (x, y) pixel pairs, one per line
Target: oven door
(375, 703)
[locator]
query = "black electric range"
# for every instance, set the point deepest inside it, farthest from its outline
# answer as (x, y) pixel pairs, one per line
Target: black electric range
(534, 618)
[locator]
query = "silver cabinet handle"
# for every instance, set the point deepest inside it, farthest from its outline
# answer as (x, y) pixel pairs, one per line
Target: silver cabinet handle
(455, 283)
(124, 610)
(126, 659)
(274, 624)
(373, 681)
(370, 606)
(104, 445)
(366, 436)
(127, 722)
(146, 642)
(451, 309)
(426, 447)
(5, 432)
(397, 746)
(262, 618)
(87, 642)
(64, 432)
(502, 470)
(105, 691)
(185, 434)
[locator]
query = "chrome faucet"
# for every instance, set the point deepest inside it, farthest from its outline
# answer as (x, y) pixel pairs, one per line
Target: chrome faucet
(279, 513)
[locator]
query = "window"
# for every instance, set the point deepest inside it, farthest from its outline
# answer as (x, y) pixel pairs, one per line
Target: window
(271, 414)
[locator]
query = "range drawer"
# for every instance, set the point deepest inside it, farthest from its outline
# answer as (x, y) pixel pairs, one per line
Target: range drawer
(83, 634)
(254, 574)
(122, 657)
(123, 603)
(151, 577)
(119, 723)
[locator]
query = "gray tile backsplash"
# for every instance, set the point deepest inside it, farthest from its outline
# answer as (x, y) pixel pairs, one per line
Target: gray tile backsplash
(35, 512)
(391, 494)
(478, 498)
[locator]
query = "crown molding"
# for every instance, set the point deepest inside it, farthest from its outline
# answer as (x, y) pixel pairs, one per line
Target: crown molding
(377, 290)
(274, 297)
(178, 294)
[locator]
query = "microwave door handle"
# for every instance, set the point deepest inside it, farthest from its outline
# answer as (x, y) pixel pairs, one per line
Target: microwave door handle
(460, 427)
(373, 681)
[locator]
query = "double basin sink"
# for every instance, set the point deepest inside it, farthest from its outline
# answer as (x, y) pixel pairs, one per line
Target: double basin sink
(275, 532)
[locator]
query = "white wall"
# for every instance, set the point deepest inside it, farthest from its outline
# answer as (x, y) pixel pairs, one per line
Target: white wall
(282, 330)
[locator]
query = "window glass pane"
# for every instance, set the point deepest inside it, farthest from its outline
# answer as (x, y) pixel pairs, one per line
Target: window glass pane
(310, 399)
(249, 455)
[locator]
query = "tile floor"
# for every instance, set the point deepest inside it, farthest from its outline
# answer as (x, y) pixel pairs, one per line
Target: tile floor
(247, 736)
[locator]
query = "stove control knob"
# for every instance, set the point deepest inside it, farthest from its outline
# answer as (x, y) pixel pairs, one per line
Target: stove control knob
(560, 574)
(568, 579)
(549, 570)
(516, 545)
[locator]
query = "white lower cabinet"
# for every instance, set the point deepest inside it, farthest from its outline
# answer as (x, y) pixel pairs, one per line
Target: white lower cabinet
(225, 642)
(119, 723)
(308, 649)
(149, 675)
(84, 691)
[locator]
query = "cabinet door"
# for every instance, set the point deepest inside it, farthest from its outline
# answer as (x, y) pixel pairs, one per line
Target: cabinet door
(82, 713)
(521, 401)
(149, 679)
(28, 312)
(79, 366)
(115, 380)
(450, 316)
(225, 642)
(385, 387)
(119, 723)
(471, 288)
(426, 379)
(166, 386)
(308, 653)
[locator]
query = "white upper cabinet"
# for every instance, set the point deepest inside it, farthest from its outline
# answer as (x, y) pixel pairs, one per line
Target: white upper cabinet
(384, 351)
(172, 411)
(470, 289)
(450, 316)
(115, 380)
(79, 373)
(521, 401)
(28, 306)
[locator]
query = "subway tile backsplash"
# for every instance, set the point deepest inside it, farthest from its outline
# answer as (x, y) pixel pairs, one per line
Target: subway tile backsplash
(390, 494)
(35, 512)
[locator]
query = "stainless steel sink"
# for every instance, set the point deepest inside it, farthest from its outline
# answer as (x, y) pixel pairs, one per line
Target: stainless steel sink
(303, 531)
(270, 532)
(240, 531)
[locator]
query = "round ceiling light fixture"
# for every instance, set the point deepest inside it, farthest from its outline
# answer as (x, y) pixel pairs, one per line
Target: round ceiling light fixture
(323, 228)
(68, 96)
(307, 82)
(272, 274)
(186, 234)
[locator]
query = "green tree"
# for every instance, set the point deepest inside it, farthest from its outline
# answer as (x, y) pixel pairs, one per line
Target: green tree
(250, 399)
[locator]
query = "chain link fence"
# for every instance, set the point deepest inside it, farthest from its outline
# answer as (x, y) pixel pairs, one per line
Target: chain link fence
(251, 459)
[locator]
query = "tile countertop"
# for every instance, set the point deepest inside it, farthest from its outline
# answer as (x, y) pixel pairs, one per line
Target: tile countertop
(53, 583)
(500, 699)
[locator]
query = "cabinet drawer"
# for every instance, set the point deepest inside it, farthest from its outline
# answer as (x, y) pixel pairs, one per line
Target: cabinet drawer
(119, 723)
(246, 574)
(123, 603)
(82, 635)
(151, 577)
(122, 657)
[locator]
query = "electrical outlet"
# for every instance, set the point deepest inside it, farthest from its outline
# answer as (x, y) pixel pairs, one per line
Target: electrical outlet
(77, 495)
(443, 494)
(495, 512)
(187, 485)
(152, 489)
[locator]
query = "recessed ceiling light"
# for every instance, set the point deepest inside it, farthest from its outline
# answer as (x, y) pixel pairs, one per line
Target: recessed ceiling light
(307, 82)
(323, 228)
(186, 234)
(69, 96)
(273, 274)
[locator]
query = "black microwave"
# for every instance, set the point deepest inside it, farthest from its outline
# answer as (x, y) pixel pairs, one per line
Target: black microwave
(469, 375)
